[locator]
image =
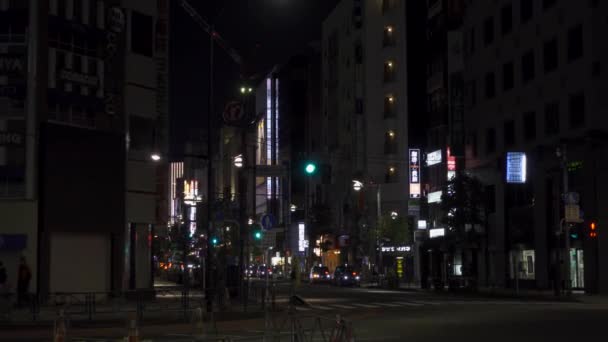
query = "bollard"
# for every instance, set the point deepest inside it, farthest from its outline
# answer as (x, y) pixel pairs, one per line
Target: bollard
(133, 333)
(60, 328)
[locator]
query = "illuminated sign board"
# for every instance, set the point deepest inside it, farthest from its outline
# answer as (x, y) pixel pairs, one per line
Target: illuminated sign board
(302, 242)
(437, 232)
(434, 197)
(433, 158)
(451, 164)
(414, 159)
(516, 167)
(395, 249)
(421, 224)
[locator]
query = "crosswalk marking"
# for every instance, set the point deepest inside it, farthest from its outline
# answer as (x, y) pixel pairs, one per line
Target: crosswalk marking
(317, 307)
(344, 306)
(366, 305)
(409, 303)
(424, 303)
(301, 308)
(390, 305)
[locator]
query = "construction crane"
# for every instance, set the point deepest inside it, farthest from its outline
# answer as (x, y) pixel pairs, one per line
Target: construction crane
(209, 29)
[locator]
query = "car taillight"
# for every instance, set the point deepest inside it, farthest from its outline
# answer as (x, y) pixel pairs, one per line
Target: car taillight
(326, 272)
(354, 273)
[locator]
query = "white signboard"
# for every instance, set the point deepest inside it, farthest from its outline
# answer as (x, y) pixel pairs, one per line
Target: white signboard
(421, 224)
(392, 249)
(434, 197)
(437, 232)
(433, 158)
(302, 242)
(414, 158)
(516, 167)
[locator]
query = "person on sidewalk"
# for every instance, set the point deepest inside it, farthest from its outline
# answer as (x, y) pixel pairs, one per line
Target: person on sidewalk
(23, 282)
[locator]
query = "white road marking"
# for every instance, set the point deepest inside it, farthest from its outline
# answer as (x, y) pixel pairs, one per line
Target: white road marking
(366, 305)
(343, 306)
(408, 304)
(390, 305)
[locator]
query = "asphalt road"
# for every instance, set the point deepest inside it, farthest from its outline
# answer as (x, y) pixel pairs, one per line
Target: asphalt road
(381, 315)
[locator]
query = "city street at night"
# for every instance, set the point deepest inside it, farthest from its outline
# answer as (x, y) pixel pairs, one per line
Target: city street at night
(383, 315)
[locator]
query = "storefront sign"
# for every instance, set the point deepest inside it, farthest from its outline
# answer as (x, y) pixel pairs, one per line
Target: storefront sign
(433, 158)
(302, 242)
(414, 159)
(437, 232)
(434, 197)
(516, 167)
(11, 139)
(421, 224)
(395, 249)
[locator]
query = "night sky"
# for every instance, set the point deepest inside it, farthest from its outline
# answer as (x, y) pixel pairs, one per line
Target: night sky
(264, 32)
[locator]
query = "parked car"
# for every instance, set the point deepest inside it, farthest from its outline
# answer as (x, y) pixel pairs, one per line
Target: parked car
(346, 275)
(264, 270)
(319, 274)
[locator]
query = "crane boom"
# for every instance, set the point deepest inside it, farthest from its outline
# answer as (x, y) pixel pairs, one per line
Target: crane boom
(211, 32)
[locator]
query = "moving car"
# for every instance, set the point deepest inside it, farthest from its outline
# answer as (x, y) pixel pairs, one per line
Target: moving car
(346, 275)
(320, 274)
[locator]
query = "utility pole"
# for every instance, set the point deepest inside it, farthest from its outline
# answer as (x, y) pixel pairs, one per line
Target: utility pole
(210, 183)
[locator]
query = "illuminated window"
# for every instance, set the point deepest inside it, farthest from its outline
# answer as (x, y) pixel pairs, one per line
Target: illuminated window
(389, 106)
(391, 175)
(389, 71)
(390, 143)
(389, 36)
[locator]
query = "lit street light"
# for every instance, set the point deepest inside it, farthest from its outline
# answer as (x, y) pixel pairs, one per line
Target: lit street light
(238, 161)
(357, 185)
(155, 157)
(394, 215)
(293, 208)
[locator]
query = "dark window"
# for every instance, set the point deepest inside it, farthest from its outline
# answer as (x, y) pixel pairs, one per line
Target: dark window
(550, 55)
(386, 5)
(142, 34)
(488, 31)
(472, 39)
(62, 8)
(548, 3)
(575, 43)
(529, 126)
(490, 85)
(93, 13)
(473, 143)
(358, 53)
(527, 10)
(509, 130)
(77, 63)
(527, 66)
(471, 96)
(141, 133)
(507, 76)
(92, 66)
(490, 140)
(577, 110)
(77, 11)
(506, 19)
(490, 194)
(552, 118)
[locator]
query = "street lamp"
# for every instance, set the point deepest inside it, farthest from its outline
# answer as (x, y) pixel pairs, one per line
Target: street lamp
(394, 215)
(155, 156)
(238, 161)
(357, 185)
(293, 208)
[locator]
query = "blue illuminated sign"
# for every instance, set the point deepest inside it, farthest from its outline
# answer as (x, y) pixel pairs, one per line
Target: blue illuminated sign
(516, 167)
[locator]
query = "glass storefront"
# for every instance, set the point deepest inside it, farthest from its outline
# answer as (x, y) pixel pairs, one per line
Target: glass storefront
(525, 259)
(577, 268)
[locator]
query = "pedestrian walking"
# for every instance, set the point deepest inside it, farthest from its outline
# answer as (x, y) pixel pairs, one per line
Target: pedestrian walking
(23, 282)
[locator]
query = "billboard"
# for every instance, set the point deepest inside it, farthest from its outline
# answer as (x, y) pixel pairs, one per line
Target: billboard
(516, 167)
(414, 160)
(433, 158)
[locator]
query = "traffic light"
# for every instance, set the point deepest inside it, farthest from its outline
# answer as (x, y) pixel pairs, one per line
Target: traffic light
(257, 235)
(592, 229)
(310, 168)
(214, 241)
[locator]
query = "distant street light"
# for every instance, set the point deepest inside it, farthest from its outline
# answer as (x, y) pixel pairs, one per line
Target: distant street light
(238, 161)
(293, 208)
(394, 215)
(155, 157)
(357, 185)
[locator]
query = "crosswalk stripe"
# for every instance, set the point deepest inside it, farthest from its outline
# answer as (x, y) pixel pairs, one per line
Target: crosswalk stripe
(343, 306)
(409, 303)
(300, 308)
(317, 307)
(366, 305)
(390, 305)
(424, 303)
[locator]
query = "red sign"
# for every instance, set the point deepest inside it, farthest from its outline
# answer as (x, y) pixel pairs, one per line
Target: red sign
(451, 161)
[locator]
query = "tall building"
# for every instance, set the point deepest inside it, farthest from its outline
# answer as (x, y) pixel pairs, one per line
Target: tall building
(83, 97)
(364, 124)
(535, 75)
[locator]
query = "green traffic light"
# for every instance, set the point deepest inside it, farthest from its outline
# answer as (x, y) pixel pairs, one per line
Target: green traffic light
(310, 168)
(258, 235)
(214, 241)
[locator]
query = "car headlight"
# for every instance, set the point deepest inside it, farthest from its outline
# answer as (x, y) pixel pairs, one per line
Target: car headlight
(345, 277)
(357, 277)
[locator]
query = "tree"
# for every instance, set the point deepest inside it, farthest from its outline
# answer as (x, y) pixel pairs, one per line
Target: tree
(463, 203)
(394, 229)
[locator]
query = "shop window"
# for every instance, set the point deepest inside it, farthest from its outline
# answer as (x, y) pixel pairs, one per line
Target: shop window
(523, 262)
(142, 34)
